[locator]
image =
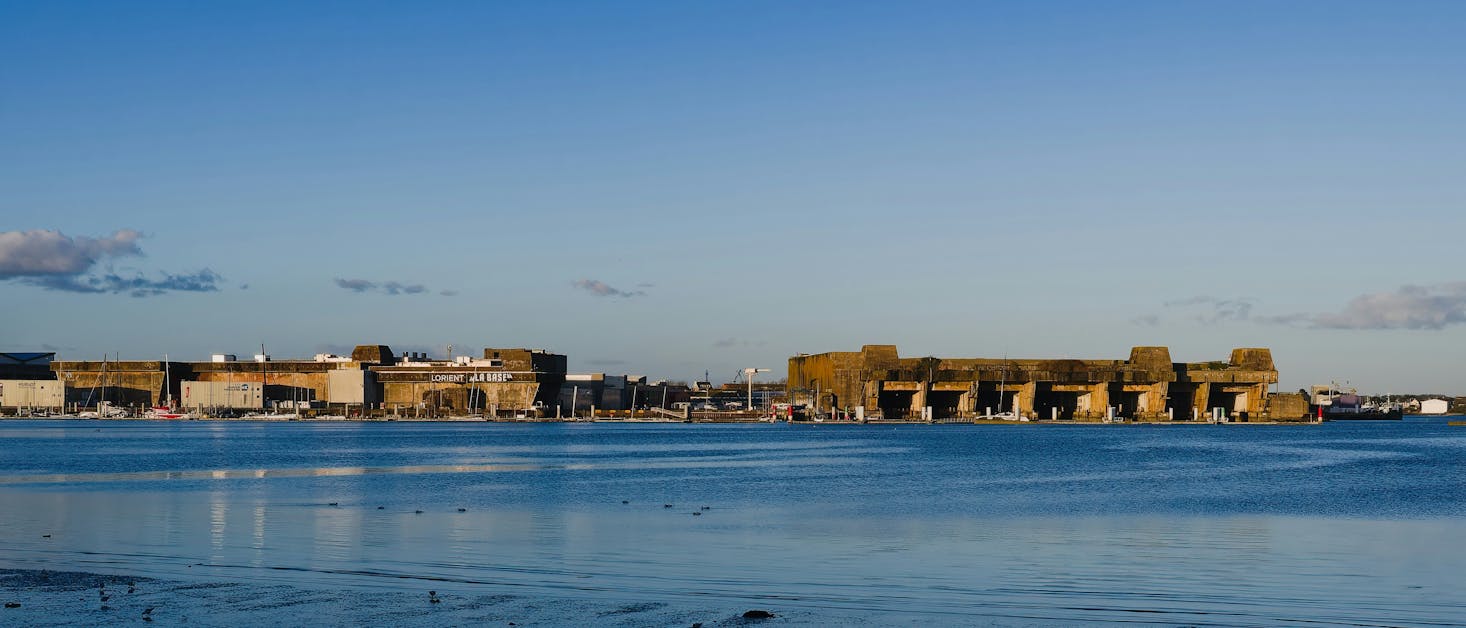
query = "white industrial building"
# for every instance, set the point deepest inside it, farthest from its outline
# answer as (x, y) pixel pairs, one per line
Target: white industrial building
(231, 395)
(1434, 406)
(22, 395)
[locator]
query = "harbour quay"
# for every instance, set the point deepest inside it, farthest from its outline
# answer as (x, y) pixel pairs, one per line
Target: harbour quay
(873, 384)
(876, 383)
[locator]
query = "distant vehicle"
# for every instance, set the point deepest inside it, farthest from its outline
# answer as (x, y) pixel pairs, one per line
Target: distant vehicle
(681, 405)
(733, 405)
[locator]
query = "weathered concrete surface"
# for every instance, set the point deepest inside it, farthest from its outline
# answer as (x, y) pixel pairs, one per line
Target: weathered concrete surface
(1288, 406)
(504, 381)
(1145, 386)
(124, 383)
(527, 378)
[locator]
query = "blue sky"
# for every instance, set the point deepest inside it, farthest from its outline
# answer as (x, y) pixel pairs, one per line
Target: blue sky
(668, 188)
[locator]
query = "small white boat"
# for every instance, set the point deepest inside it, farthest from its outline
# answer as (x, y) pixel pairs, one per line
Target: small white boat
(1004, 416)
(165, 412)
(105, 410)
(270, 416)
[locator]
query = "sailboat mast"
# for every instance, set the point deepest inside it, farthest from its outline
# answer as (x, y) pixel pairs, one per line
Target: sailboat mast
(1003, 385)
(103, 402)
(264, 377)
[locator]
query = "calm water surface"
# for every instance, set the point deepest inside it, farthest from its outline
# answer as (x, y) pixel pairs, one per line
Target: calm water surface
(1344, 523)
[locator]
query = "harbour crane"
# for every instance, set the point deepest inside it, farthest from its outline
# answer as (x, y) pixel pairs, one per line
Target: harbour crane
(748, 374)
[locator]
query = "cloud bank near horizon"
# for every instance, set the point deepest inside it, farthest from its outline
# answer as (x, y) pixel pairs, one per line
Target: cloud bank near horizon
(1410, 307)
(1432, 307)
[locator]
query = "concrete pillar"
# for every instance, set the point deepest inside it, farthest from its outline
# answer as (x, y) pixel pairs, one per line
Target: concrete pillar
(1156, 404)
(1099, 399)
(1026, 394)
(1201, 398)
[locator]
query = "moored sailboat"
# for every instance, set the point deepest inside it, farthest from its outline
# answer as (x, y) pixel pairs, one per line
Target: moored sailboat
(167, 410)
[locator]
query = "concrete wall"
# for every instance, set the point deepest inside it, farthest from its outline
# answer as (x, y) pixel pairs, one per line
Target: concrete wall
(135, 383)
(453, 398)
(504, 380)
(1145, 386)
(367, 379)
(285, 380)
(1288, 406)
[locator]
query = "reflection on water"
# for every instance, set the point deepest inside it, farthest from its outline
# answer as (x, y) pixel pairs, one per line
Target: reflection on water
(825, 457)
(1347, 524)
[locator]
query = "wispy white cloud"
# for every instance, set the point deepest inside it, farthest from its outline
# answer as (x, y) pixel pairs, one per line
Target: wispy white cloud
(601, 289)
(384, 287)
(136, 285)
(605, 362)
(728, 343)
(1148, 320)
(356, 285)
(1212, 310)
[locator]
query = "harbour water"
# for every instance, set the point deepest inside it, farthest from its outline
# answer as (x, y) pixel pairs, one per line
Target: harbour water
(228, 523)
